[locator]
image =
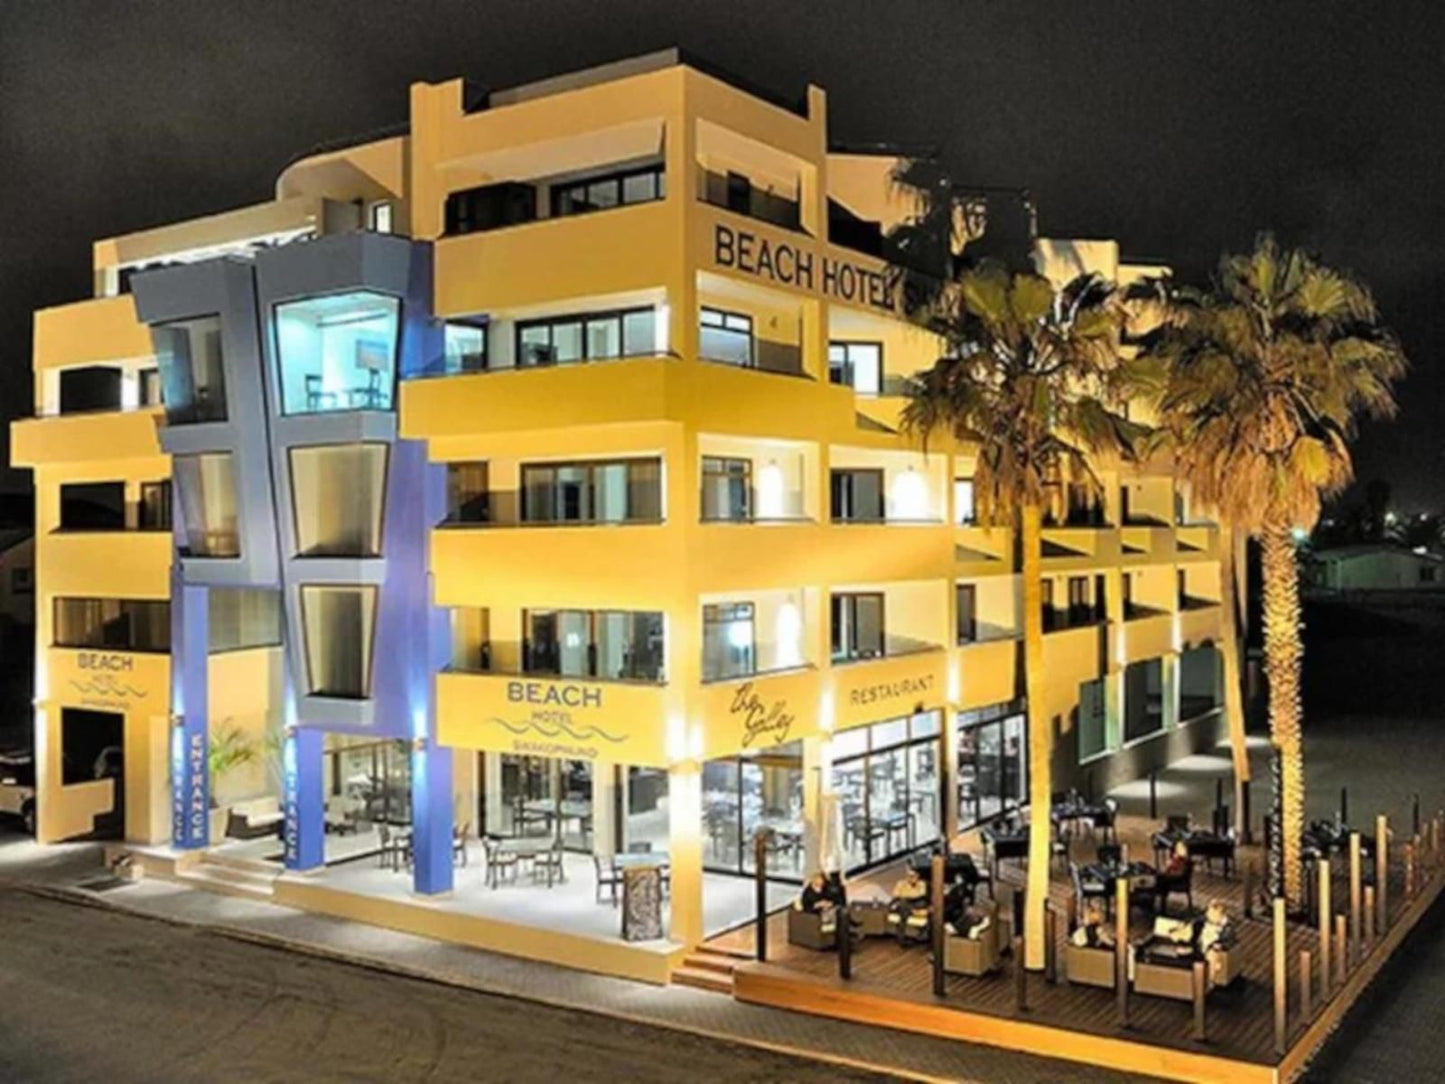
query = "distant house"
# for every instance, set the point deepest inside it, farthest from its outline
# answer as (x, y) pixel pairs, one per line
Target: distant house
(1376, 567)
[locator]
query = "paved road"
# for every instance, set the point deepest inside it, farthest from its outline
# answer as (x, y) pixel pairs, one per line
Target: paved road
(88, 994)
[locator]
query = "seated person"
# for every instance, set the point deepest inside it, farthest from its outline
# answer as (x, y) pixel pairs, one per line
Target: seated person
(1215, 936)
(819, 895)
(972, 923)
(1178, 864)
(1093, 932)
(956, 903)
(911, 892)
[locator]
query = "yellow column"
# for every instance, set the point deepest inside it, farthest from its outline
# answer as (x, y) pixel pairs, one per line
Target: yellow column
(684, 802)
(816, 783)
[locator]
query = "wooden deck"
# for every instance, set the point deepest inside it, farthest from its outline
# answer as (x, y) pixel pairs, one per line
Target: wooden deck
(893, 985)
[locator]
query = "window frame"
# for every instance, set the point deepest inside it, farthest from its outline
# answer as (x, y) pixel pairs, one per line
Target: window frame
(301, 554)
(847, 346)
(393, 391)
(558, 191)
(369, 674)
(581, 319)
(723, 321)
(591, 466)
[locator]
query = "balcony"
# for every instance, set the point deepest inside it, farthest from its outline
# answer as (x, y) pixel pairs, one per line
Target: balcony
(990, 671)
(1145, 543)
(105, 564)
(1199, 622)
(106, 435)
(982, 550)
(1147, 635)
(90, 332)
(1197, 542)
(538, 715)
(736, 193)
(1079, 546)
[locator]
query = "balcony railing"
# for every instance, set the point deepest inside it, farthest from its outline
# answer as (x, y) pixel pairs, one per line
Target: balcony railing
(892, 647)
(1074, 617)
(718, 190)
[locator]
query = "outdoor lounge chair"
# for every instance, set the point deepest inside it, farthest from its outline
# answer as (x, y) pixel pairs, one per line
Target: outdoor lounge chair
(975, 956)
(812, 929)
(1090, 966)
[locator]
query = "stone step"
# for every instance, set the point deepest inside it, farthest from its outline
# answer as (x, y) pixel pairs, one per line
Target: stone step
(240, 862)
(702, 979)
(228, 882)
(708, 961)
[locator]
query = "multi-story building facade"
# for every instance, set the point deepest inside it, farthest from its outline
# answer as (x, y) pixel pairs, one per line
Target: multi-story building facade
(535, 472)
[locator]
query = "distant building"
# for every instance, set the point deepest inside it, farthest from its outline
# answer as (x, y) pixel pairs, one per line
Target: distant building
(1376, 567)
(17, 577)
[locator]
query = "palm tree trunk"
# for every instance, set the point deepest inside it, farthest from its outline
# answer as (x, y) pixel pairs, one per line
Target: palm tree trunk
(1040, 738)
(1283, 650)
(1233, 688)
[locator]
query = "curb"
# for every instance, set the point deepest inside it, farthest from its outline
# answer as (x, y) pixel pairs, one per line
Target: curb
(82, 898)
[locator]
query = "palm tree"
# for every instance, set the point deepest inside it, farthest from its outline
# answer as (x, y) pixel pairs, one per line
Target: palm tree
(1031, 377)
(1266, 374)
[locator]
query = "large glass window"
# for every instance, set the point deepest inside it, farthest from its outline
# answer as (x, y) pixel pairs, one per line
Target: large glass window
(468, 493)
(1093, 720)
(646, 823)
(541, 797)
(596, 336)
(121, 624)
(620, 645)
(992, 762)
(745, 795)
(466, 347)
(339, 623)
(338, 352)
(856, 495)
(859, 365)
(727, 488)
(725, 336)
(92, 506)
(885, 777)
(729, 641)
(371, 777)
(857, 625)
(244, 617)
(1200, 682)
(193, 381)
(599, 193)
(624, 490)
(338, 492)
(1143, 699)
(207, 484)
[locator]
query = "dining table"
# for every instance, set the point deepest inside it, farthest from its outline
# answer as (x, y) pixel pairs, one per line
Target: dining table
(1003, 843)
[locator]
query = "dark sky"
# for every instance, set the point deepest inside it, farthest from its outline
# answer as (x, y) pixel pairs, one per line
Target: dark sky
(1180, 128)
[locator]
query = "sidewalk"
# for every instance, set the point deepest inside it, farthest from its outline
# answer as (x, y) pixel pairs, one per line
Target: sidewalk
(678, 1008)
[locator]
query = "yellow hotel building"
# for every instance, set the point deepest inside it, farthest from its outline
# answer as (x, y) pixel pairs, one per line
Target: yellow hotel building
(678, 577)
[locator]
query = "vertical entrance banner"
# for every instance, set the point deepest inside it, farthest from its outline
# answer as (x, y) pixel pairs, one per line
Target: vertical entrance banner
(190, 753)
(304, 826)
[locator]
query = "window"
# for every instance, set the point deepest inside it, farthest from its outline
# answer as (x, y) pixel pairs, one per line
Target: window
(149, 387)
(471, 639)
(90, 745)
(380, 216)
(618, 645)
(857, 621)
(736, 192)
(859, 365)
(92, 506)
(490, 207)
(339, 624)
(244, 617)
(90, 388)
(566, 340)
(1050, 615)
(992, 762)
(742, 795)
(727, 488)
(337, 352)
(1093, 722)
(119, 624)
(468, 497)
(1081, 606)
(610, 190)
(729, 641)
(1201, 682)
(338, 492)
(726, 337)
(857, 495)
(886, 780)
(964, 513)
(208, 504)
(967, 595)
(466, 347)
(1143, 699)
(621, 491)
(193, 381)
(154, 513)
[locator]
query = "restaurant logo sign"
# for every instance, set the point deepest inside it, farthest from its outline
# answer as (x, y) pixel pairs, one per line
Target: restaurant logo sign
(885, 691)
(791, 265)
(552, 727)
(101, 685)
(762, 722)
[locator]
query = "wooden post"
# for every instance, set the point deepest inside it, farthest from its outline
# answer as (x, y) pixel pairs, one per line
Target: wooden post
(1415, 815)
(1244, 814)
(760, 873)
(1248, 890)
(1281, 991)
(844, 936)
(1369, 919)
(1325, 912)
(1410, 868)
(940, 986)
(1021, 1002)
(1201, 987)
(1071, 912)
(1051, 942)
(1121, 948)
(1355, 881)
(1153, 796)
(1306, 980)
(1382, 873)
(1342, 948)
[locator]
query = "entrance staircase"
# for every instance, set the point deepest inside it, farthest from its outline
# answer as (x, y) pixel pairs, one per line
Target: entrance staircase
(708, 969)
(249, 878)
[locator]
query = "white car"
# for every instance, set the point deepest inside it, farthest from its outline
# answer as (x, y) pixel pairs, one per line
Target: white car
(17, 788)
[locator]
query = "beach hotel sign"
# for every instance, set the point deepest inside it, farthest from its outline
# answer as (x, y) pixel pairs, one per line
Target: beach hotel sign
(789, 264)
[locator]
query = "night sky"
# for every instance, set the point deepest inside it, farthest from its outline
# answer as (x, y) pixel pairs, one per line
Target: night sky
(1180, 128)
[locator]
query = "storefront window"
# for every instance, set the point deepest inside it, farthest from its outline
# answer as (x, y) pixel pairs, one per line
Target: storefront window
(646, 822)
(885, 777)
(745, 795)
(992, 762)
(1200, 682)
(539, 797)
(372, 778)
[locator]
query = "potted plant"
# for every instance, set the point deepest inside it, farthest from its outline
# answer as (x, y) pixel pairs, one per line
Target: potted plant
(229, 749)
